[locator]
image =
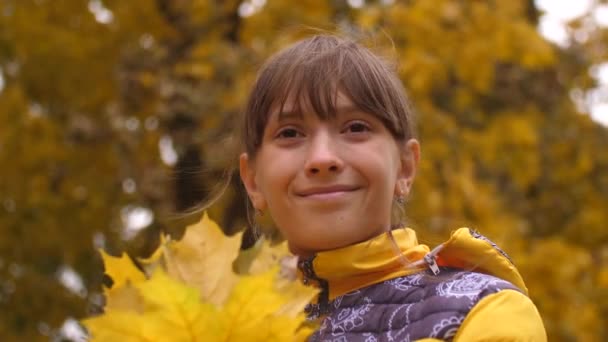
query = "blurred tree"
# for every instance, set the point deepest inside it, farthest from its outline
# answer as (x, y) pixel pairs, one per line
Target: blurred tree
(115, 115)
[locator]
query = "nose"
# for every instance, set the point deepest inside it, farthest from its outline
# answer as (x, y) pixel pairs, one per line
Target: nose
(323, 156)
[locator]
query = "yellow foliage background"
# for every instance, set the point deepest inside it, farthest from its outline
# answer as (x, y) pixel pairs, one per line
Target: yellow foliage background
(93, 91)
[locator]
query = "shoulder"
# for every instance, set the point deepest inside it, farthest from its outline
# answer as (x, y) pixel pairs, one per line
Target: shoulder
(511, 315)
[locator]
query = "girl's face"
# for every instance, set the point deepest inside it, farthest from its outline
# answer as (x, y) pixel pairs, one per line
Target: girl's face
(328, 183)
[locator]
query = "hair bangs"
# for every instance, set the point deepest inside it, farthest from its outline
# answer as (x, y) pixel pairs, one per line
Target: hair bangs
(373, 88)
(308, 77)
(312, 86)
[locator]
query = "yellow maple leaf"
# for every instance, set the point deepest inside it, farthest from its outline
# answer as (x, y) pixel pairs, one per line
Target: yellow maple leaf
(261, 257)
(264, 256)
(121, 269)
(126, 298)
(123, 272)
(173, 312)
(259, 307)
(115, 325)
(203, 258)
(199, 297)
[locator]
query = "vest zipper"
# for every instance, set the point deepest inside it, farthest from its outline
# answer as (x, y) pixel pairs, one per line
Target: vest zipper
(322, 307)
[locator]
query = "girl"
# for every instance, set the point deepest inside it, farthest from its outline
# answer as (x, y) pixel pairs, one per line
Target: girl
(330, 153)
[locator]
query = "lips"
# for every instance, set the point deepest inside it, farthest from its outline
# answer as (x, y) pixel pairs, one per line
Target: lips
(326, 190)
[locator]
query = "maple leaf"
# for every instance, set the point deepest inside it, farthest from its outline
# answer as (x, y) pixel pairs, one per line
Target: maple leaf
(121, 269)
(173, 312)
(126, 298)
(258, 307)
(203, 258)
(199, 297)
(113, 326)
(264, 256)
(124, 274)
(261, 257)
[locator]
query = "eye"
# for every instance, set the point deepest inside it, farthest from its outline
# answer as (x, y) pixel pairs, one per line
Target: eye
(357, 127)
(288, 133)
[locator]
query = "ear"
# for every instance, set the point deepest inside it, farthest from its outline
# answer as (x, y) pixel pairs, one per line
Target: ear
(247, 172)
(410, 156)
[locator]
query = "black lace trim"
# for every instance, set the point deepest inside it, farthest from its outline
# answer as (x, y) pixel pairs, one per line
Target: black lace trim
(323, 305)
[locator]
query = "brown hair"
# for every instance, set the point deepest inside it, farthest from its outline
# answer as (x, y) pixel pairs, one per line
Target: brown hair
(312, 72)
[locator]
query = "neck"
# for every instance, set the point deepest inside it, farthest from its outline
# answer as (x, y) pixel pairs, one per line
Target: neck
(305, 253)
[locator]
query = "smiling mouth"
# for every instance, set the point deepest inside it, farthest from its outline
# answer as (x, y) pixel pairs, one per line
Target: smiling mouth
(327, 192)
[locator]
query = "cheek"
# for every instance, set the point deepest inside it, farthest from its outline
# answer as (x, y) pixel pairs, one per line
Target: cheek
(387, 173)
(387, 162)
(273, 180)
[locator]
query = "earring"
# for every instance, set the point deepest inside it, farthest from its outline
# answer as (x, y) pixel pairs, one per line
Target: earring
(400, 198)
(253, 223)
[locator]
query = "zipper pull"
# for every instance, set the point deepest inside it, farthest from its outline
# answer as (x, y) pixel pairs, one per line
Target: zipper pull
(430, 259)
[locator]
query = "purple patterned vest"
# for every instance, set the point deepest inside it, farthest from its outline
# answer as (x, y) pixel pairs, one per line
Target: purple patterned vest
(408, 308)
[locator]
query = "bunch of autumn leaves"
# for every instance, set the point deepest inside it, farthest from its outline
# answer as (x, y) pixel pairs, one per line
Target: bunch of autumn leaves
(190, 292)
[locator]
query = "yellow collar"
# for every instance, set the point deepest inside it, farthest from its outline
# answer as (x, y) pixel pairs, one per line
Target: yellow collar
(392, 254)
(356, 266)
